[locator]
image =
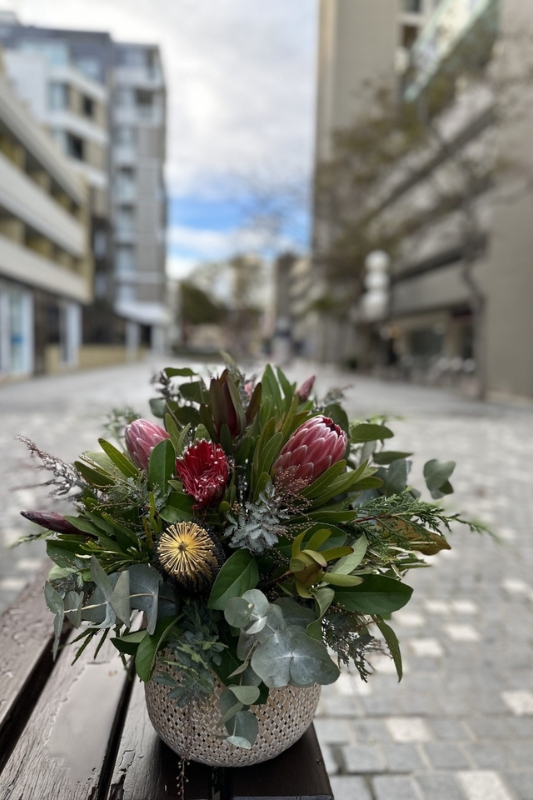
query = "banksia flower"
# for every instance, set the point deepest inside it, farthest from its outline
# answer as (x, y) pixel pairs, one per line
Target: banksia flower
(303, 391)
(141, 438)
(189, 555)
(311, 450)
(204, 472)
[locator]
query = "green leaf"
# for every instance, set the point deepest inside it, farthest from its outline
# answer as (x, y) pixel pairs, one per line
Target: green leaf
(238, 574)
(179, 372)
(352, 561)
(162, 465)
(157, 406)
(238, 612)
(54, 602)
(315, 489)
(392, 643)
(149, 645)
(194, 391)
(119, 459)
(395, 477)
(385, 457)
(120, 599)
(339, 579)
(292, 658)
(64, 557)
(376, 595)
(369, 432)
(318, 539)
(324, 598)
(93, 476)
(244, 727)
(437, 473)
(144, 592)
(247, 695)
(174, 432)
(178, 507)
(129, 643)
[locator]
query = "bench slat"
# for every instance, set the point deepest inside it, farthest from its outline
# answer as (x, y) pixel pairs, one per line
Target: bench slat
(145, 768)
(25, 659)
(64, 750)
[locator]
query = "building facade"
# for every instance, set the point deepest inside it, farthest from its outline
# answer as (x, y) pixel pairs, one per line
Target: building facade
(461, 277)
(104, 104)
(46, 270)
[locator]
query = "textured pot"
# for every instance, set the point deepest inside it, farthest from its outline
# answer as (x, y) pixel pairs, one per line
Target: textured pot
(192, 731)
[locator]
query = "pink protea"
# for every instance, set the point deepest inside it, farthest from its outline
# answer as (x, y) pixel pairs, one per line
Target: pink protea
(311, 450)
(141, 438)
(204, 472)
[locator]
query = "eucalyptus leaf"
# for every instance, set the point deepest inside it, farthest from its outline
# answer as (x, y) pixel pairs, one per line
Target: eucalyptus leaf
(144, 592)
(238, 612)
(292, 658)
(243, 729)
(73, 607)
(247, 695)
(437, 473)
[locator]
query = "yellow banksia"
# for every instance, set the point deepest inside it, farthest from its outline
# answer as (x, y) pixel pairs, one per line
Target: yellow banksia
(189, 555)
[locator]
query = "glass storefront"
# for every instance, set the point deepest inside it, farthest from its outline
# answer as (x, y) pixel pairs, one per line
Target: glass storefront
(16, 331)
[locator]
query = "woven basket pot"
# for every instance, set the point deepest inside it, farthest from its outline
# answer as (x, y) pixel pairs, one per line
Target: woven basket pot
(193, 734)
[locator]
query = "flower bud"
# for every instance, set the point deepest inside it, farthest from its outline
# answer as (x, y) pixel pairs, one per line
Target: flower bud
(50, 520)
(310, 451)
(141, 438)
(304, 390)
(204, 472)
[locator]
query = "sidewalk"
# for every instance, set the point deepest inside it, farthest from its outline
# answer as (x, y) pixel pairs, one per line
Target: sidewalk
(460, 724)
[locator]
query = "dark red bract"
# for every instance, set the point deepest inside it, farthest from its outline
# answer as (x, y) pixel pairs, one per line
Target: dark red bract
(141, 438)
(204, 472)
(311, 450)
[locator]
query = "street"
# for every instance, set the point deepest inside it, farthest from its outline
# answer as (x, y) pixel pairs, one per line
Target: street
(460, 724)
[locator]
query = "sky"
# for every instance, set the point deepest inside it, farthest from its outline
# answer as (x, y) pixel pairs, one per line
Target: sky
(241, 93)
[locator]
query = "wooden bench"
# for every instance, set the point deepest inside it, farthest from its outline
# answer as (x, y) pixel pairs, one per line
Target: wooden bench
(82, 732)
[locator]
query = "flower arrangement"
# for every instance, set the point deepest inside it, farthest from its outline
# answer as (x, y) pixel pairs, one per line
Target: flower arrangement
(262, 535)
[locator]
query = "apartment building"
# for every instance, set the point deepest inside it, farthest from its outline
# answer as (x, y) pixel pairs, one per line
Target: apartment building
(46, 271)
(104, 104)
(439, 276)
(138, 192)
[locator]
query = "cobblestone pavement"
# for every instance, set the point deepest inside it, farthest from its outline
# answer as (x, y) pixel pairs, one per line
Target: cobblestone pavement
(460, 724)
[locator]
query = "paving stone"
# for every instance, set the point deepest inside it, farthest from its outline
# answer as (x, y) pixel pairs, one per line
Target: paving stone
(462, 633)
(446, 756)
(488, 727)
(362, 758)
(395, 788)
(488, 755)
(426, 647)
(402, 758)
(369, 731)
(330, 762)
(520, 701)
(408, 729)
(347, 787)
(333, 731)
(439, 786)
(521, 783)
(444, 728)
(485, 785)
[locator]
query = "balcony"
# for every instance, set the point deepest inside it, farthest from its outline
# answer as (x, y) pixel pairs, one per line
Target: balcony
(450, 24)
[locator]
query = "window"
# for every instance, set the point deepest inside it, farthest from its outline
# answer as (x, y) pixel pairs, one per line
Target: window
(125, 135)
(75, 147)
(412, 6)
(125, 294)
(125, 183)
(124, 96)
(131, 57)
(144, 98)
(90, 68)
(409, 36)
(124, 260)
(59, 96)
(100, 244)
(55, 53)
(87, 106)
(124, 220)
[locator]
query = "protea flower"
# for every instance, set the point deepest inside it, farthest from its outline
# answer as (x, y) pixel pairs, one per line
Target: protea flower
(189, 555)
(304, 390)
(311, 450)
(141, 438)
(204, 472)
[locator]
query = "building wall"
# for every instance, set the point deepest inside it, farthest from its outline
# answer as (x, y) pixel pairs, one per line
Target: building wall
(45, 263)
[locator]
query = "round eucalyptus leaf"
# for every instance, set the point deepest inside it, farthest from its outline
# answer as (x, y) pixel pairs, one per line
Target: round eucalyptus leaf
(238, 612)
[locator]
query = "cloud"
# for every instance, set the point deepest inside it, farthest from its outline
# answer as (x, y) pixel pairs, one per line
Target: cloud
(240, 76)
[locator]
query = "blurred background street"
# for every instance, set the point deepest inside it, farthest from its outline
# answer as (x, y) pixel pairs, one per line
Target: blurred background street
(460, 724)
(345, 188)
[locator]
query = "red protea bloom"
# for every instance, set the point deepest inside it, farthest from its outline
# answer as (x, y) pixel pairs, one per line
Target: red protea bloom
(311, 450)
(141, 438)
(204, 472)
